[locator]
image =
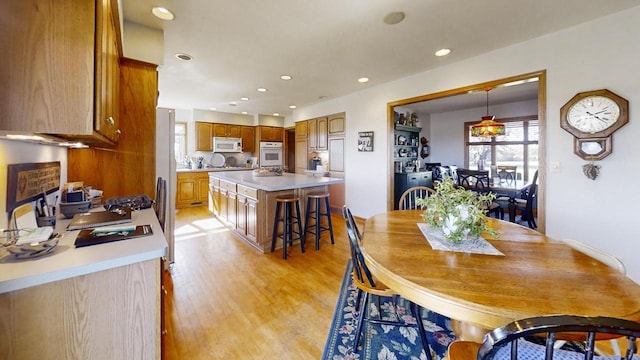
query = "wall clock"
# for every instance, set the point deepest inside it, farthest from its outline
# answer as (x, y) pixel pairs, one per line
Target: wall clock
(592, 117)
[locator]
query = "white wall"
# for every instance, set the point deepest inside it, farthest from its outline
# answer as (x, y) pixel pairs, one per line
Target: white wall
(143, 43)
(600, 54)
(17, 152)
(447, 144)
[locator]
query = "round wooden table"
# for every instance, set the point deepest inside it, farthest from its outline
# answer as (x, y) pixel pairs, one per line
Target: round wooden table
(537, 276)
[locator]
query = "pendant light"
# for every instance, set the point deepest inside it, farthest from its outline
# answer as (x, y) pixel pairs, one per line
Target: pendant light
(487, 127)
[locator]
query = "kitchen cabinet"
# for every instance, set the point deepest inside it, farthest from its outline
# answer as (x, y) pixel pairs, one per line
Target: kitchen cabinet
(227, 130)
(228, 206)
(214, 195)
(336, 154)
(67, 88)
(247, 219)
(404, 181)
(204, 138)
(248, 135)
(270, 133)
(302, 130)
(336, 124)
(317, 129)
(192, 189)
(301, 156)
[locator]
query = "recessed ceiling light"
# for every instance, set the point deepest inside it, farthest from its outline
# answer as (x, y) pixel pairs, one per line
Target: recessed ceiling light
(285, 77)
(363, 80)
(233, 103)
(292, 106)
(244, 98)
(443, 52)
(276, 114)
(212, 108)
(184, 57)
(322, 97)
(262, 89)
(393, 18)
(244, 113)
(162, 13)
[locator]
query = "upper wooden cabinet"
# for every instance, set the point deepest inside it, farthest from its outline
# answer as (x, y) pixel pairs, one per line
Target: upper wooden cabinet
(312, 139)
(227, 130)
(248, 135)
(270, 133)
(336, 124)
(301, 130)
(204, 140)
(63, 73)
(317, 134)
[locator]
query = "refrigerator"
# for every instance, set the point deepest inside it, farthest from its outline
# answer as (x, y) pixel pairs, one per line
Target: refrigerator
(166, 168)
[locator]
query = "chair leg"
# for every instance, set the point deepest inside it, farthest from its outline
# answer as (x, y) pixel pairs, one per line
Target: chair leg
(301, 233)
(274, 237)
(318, 221)
(328, 210)
(286, 236)
(415, 310)
(361, 314)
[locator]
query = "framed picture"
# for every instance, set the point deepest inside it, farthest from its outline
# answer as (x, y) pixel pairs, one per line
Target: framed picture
(365, 141)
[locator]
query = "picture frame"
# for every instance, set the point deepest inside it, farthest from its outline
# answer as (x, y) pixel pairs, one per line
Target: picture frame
(365, 141)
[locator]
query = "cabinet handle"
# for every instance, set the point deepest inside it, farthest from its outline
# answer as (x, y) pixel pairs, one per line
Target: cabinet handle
(111, 121)
(164, 290)
(118, 132)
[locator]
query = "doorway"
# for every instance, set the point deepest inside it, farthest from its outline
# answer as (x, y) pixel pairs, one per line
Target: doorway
(455, 97)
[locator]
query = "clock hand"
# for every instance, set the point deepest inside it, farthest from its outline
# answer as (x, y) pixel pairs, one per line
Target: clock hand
(596, 116)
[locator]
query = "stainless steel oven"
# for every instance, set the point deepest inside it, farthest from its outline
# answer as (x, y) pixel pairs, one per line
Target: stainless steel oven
(271, 154)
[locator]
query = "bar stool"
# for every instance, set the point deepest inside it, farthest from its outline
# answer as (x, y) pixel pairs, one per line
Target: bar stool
(317, 214)
(288, 220)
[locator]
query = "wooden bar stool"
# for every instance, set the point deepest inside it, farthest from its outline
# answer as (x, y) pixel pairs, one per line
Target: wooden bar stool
(316, 228)
(288, 219)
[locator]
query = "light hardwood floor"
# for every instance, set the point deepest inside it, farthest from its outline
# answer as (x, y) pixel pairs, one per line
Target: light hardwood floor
(226, 300)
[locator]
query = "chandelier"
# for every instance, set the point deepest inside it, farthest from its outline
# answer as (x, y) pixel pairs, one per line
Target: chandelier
(487, 127)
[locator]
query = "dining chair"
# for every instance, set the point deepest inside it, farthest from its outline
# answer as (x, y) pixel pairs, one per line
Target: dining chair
(370, 287)
(507, 172)
(349, 217)
(524, 202)
(479, 181)
(536, 337)
(605, 258)
(409, 198)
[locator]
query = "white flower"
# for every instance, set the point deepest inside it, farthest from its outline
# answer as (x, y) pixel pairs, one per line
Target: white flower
(450, 225)
(463, 210)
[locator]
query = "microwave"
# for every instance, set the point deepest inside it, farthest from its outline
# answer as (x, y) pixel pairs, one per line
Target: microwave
(225, 144)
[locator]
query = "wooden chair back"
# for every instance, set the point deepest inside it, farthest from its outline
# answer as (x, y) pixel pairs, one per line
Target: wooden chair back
(362, 274)
(475, 180)
(507, 172)
(409, 198)
(512, 339)
(161, 201)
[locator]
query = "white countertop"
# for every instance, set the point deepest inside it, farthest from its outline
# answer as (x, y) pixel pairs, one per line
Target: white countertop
(287, 181)
(65, 261)
(214, 169)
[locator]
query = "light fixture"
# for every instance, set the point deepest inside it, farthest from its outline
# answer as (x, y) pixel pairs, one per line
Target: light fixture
(244, 113)
(443, 52)
(285, 77)
(162, 13)
(244, 98)
(261, 89)
(487, 127)
(363, 80)
(276, 114)
(292, 106)
(393, 18)
(184, 57)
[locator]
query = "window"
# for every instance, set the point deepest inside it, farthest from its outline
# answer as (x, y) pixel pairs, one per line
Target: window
(180, 143)
(519, 147)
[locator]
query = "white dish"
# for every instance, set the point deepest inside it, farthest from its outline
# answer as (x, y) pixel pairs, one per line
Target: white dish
(217, 160)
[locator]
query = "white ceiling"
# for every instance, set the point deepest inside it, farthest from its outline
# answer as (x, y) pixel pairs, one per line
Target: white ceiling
(326, 45)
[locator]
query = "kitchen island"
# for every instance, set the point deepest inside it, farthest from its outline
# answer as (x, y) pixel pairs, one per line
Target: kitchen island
(246, 203)
(94, 302)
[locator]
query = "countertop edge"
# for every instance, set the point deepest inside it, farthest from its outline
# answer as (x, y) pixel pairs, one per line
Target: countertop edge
(314, 181)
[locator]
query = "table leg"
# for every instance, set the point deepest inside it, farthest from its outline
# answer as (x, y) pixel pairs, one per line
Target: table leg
(468, 332)
(512, 210)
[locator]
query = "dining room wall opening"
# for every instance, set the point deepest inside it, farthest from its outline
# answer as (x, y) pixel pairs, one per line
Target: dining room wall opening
(511, 89)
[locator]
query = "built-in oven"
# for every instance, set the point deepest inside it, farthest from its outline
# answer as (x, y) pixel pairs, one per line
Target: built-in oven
(271, 154)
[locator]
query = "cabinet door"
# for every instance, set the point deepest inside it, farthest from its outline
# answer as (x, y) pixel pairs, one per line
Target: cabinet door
(232, 208)
(186, 192)
(241, 214)
(49, 84)
(336, 154)
(301, 130)
(336, 124)
(247, 133)
(312, 140)
(107, 76)
(234, 131)
(252, 219)
(322, 134)
(202, 188)
(301, 156)
(224, 205)
(336, 193)
(204, 140)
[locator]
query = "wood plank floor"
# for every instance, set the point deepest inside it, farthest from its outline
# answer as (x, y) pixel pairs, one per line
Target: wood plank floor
(226, 300)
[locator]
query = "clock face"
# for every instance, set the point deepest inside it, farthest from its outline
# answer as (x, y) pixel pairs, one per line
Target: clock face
(593, 114)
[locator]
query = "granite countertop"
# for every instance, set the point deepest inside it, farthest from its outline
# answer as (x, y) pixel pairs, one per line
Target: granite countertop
(287, 181)
(66, 261)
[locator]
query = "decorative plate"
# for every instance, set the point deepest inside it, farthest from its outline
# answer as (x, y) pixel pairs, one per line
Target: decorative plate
(217, 160)
(402, 140)
(27, 251)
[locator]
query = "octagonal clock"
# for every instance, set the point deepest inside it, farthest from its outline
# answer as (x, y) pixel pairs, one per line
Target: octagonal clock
(592, 117)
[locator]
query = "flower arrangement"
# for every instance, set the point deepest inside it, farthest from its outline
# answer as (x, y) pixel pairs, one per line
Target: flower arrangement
(459, 213)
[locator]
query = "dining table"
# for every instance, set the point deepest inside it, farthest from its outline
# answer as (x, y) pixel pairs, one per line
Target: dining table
(534, 275)
(511, 190)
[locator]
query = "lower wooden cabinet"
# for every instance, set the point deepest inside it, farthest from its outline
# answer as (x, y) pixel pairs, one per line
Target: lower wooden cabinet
(192, 189)
(247, 212)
